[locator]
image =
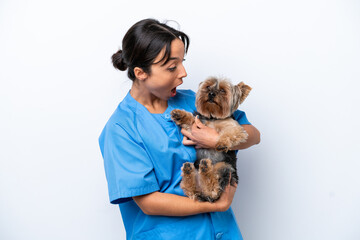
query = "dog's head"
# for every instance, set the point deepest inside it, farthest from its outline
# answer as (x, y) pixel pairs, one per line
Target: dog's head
(218, 98)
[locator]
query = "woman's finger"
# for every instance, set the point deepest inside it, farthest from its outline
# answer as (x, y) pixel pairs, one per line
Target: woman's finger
(198, 123)
(199, 145)
(186, 133)
(187, 141)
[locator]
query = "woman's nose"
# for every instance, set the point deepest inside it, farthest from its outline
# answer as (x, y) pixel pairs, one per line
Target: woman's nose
(183, 72)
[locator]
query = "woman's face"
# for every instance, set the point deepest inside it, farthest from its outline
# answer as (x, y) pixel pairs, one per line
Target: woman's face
(163, 80)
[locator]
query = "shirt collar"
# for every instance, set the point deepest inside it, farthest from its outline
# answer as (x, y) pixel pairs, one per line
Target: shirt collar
(139, 108)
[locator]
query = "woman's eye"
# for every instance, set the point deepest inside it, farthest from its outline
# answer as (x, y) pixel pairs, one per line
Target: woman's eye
(172, 69)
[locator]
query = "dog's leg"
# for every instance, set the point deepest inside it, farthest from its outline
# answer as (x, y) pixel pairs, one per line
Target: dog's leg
(182, 118)
(188, 182)
(209, 181)
(230, 138)
(224, 171)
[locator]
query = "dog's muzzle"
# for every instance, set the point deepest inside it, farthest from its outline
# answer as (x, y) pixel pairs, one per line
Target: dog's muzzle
(211, 96)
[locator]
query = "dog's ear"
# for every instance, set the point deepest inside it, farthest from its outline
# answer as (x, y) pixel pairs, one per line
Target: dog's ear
(245, 90)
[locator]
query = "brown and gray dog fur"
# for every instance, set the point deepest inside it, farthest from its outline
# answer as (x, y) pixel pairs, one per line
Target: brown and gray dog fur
(216, 101)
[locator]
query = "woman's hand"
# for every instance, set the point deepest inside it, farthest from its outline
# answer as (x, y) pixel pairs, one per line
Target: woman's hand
(201, 136)
(205, 137)
(225, 199)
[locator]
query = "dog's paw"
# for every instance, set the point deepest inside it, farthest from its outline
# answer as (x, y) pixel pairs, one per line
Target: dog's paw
(182, 118)
(224, 144)
(177, 115)
(222, 147)
(243, 137)
(187, 168)
(205, 165)
(240, 136)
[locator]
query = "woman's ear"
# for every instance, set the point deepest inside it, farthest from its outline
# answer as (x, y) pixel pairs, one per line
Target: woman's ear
(140, 74)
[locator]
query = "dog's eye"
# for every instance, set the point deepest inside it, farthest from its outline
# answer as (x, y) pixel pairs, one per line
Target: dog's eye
(208, 87)
(222, 90)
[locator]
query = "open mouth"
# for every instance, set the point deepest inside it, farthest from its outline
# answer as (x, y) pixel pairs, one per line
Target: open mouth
(173, 92)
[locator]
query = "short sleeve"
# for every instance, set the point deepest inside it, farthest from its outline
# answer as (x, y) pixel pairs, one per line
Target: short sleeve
(240, 116)
(129, 171)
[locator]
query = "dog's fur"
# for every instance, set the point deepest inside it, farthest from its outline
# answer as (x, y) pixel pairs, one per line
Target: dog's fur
(216, 101)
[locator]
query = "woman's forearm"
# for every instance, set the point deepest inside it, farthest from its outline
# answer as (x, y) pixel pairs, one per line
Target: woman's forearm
(166, 204)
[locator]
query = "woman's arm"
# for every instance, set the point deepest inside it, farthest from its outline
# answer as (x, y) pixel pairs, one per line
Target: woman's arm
(166, 204)
(205, 137)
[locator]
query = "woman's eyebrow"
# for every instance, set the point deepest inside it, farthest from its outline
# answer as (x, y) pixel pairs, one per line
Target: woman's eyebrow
(174, 58)
(171, 59)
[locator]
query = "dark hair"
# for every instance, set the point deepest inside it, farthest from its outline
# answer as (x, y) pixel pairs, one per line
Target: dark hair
(142, 44)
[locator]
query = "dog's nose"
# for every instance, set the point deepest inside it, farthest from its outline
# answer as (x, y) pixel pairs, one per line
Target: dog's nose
(212, 95)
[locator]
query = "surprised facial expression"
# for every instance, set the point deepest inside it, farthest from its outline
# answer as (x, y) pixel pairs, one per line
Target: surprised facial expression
(164, 79)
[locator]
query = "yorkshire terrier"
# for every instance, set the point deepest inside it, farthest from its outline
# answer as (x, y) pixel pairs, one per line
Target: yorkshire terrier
(216, 101)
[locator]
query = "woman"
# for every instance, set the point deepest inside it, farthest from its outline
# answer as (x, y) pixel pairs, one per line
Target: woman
(144, 150)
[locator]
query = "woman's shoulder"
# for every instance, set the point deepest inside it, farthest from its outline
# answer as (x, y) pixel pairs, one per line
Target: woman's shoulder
(122, 120)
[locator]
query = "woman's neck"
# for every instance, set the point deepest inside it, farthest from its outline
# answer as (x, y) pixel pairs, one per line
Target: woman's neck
(143, 96)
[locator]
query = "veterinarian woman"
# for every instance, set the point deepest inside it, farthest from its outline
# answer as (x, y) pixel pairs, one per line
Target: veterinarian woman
(144, 150)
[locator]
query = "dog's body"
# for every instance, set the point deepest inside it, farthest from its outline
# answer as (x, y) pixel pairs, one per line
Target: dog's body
(216, 101)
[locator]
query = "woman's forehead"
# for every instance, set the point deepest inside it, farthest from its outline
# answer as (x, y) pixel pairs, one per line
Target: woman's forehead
(177, 52)
(177, 48)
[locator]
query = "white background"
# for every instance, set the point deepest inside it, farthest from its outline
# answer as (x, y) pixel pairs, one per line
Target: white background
(58, 88)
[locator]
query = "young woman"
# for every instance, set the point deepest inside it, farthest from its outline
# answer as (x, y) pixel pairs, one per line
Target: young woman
(144, 150)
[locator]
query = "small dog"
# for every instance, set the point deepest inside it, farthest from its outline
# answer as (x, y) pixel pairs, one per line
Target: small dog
(216, 101)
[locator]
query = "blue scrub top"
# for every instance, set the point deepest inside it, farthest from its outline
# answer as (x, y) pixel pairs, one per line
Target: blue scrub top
(143, 153)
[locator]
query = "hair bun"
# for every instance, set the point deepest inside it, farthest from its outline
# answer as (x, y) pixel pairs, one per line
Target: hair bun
(118, 61)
